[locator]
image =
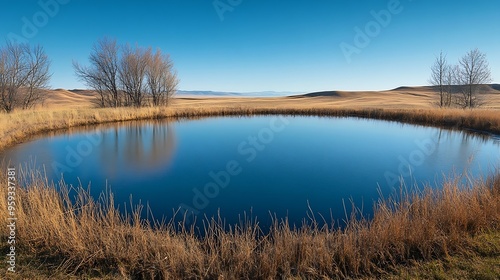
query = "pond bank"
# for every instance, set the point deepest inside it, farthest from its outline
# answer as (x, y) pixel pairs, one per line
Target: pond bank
(21, 125)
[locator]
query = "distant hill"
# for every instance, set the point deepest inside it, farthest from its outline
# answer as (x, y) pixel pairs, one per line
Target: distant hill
(491, 88)
(323, 93)
(200, 93)
(417, 92)
(207, 93)
(68, 98)
(421, 88)
(86, 92)
(401, 97)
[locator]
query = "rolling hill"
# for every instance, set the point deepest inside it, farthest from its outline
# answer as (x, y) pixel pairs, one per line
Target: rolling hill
(401, 97)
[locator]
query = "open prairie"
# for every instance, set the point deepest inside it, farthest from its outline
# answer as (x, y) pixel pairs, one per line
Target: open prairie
(394, 244)
(233, 139)
(400, 98)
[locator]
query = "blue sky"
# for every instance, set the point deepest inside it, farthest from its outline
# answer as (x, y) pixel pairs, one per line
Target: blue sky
(257, 45)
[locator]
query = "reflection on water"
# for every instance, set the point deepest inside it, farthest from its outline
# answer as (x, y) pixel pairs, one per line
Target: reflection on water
(261, 164)
(107, 149)
(144, 146)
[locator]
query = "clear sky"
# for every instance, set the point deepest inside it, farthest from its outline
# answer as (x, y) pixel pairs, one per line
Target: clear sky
(260, 45)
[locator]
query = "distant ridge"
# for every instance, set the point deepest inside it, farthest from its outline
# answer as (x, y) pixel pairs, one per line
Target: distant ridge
(401, 97)
(202, 93)
(413, 88)
(431, 88)
(83, 95)
(323, 93)
(205, 93)
(488, 88)
(86, 92)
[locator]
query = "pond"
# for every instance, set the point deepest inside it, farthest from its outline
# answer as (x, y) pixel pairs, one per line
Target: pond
(258, 166)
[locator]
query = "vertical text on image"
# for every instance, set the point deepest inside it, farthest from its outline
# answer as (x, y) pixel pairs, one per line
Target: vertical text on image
(11, 220)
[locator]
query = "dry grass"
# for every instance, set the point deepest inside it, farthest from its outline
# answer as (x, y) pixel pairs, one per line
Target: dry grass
(483, 263)
(65, 109)
(60, 238)
(402, 98)
(19, 126)
(83, 236)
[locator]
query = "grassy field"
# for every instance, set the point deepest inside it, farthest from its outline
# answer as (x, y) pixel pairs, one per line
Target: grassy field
(449, 233)
(419, 233)
(401, 98)
(21, 125)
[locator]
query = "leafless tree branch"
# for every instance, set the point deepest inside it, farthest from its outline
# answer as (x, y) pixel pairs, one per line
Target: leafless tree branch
(24, 73)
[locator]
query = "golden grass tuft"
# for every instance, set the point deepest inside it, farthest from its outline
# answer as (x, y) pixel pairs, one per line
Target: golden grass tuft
(67, 239)
(87, 236)
(20, 125)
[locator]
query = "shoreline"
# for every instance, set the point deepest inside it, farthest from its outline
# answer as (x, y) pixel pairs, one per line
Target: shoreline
(48, 120)
(77, 238)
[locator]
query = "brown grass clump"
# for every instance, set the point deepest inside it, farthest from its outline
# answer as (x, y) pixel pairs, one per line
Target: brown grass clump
(87, 236)
(64, 238)
(18, 126)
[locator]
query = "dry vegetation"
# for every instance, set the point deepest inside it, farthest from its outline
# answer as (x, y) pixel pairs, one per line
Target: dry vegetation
(18, 126)
(84, 236)
(420, 234)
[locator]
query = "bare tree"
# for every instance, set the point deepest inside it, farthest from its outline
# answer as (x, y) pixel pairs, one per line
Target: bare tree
(452, 83)
(438, 76)
(24, 72)
(474, 72)
(161, 78)
(102, 74)
(11, 70)
(132, 73)
(128, 76)
(38, 77)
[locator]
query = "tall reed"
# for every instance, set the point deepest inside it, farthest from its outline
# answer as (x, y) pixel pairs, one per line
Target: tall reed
(85, 235)
(79, 235)
(18, 126)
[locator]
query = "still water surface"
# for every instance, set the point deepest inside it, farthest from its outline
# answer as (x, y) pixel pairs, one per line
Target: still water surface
(259, 165)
